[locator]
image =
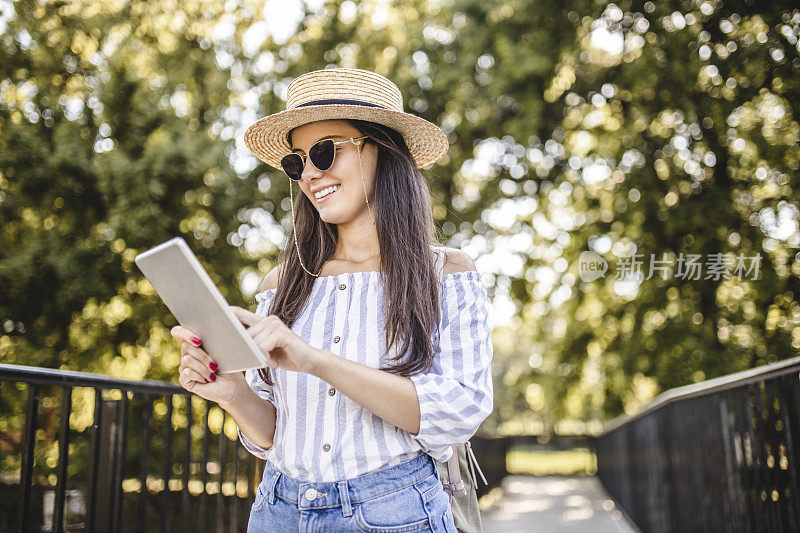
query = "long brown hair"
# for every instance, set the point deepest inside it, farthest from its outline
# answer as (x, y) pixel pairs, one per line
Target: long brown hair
(406, 232)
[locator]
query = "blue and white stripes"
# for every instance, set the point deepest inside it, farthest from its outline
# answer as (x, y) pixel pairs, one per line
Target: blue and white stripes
(321, 435)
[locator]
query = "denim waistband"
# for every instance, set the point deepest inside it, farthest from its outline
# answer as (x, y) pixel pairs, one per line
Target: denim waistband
(321, 495)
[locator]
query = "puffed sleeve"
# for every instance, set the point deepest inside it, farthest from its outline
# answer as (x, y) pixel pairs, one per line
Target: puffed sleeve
(457, 394)
(254, 380)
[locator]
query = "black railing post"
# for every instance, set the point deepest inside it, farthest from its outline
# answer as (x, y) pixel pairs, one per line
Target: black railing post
(252, 481)
(119, 463)
(234, 521)
(63, 461)
(777, 479)
(743, 425)
(733, 504)
(147, 408)
(187, 462)
(94, 459)
(167, 464)
(104, 452)
(26, 472)
(759, 456)
(221, 477)
(204, 470)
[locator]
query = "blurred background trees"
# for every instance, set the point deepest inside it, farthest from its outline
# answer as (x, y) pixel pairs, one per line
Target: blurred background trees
(622, 128)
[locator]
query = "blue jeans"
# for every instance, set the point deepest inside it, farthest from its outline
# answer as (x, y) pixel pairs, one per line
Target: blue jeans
(404, 497)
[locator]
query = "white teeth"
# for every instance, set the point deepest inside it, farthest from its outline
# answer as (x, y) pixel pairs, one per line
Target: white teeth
(326, 191)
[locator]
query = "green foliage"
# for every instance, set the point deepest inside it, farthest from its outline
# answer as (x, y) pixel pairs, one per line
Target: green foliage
(108, 147)
(655, 128)
(693, 123)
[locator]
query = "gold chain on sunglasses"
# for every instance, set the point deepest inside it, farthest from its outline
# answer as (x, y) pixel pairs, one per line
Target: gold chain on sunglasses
(363, 185)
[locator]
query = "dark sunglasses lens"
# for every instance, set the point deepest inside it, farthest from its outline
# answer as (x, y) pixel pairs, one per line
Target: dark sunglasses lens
(321, 154)
(293, 165)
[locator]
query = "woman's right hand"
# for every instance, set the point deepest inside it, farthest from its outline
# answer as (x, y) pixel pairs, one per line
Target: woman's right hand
(197, 371)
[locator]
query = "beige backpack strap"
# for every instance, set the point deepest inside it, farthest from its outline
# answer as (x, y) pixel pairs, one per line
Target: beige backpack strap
(440, 257)
(473, 464)
(455, 485)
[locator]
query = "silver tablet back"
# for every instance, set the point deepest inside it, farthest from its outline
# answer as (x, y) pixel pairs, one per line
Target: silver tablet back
(184, 285)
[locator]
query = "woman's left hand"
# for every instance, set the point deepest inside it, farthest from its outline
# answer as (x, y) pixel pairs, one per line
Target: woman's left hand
(282, 347)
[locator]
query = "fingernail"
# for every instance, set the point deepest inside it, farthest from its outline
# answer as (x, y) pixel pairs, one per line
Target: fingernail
(213, 367)
(213, 377)
(196, 341)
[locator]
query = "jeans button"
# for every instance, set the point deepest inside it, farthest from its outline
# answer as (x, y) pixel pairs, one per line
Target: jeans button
(311, 495)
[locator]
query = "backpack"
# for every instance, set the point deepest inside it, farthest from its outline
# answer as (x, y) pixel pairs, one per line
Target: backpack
(463, 496)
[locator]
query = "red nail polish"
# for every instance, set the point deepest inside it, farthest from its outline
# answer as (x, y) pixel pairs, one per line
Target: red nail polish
(196, 341)
(213, 367)
(213, 377)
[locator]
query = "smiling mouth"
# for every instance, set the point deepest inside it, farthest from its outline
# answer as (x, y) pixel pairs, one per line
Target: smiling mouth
(323, 198)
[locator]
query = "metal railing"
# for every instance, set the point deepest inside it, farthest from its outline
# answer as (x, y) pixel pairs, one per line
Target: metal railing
(133, 455)
(720, 455)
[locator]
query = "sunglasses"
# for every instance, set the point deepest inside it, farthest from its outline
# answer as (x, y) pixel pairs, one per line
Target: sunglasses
(322, 154)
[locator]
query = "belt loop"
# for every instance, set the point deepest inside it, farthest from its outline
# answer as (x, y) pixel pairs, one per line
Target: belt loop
(271, 487)
(344, 496)
(435, 464)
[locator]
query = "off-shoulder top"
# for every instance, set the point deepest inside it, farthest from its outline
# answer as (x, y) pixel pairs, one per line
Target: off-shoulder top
(322, 435)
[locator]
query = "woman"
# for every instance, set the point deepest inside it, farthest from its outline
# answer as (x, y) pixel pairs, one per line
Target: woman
(377, 342)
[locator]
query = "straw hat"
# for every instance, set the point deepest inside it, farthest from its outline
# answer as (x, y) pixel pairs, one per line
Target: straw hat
(340, 93)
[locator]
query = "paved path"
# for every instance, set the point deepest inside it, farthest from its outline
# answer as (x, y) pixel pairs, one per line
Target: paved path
(530, 504)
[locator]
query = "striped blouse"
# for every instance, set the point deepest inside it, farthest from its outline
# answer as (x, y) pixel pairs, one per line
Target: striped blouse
(322, 435)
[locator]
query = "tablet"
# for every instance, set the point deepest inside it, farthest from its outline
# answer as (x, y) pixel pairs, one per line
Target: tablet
(184, 285)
